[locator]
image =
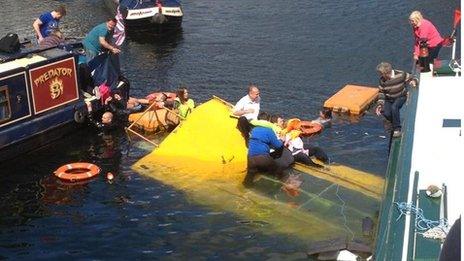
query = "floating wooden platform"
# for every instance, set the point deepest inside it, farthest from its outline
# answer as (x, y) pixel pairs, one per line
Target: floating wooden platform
(352, 99)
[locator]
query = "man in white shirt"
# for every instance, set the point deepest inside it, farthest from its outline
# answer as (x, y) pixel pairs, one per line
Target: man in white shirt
(247, 108)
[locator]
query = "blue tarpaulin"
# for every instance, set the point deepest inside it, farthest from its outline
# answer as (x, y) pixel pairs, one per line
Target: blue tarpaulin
(105, 68)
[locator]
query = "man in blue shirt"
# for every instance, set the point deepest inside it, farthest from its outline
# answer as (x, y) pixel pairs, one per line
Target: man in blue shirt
(48, 21)
(262, 139)
(96, 40)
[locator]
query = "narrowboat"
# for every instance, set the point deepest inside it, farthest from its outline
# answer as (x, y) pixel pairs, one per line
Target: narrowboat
(157, 16)
(40, 97)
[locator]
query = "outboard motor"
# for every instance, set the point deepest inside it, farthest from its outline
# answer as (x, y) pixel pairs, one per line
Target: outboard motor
(159, 18)
(424, 61)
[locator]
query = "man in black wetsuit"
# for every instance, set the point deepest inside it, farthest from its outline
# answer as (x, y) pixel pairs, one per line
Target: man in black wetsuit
(106, 124)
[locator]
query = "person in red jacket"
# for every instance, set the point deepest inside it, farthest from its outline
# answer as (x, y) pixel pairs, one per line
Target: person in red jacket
(424, 30)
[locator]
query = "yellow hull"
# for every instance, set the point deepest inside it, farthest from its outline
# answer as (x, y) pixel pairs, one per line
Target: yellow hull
(205, 156)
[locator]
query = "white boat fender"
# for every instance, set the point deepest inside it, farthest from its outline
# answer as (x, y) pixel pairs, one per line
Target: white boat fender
(347, 256)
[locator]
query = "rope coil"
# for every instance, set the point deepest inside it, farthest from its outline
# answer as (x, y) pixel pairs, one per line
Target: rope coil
(436, 229)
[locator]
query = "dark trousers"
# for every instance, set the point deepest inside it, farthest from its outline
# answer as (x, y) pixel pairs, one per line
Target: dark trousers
(425, 61)
(305, 159)
(318, 153)
(313, 151)
(433, 53)
(391, 111)
(261, 163)
(283, 156)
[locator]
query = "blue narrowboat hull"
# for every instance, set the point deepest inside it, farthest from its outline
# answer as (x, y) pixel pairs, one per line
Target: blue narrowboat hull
(39, 99)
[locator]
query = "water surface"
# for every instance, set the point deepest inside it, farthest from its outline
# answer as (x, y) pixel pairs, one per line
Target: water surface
(298, 52)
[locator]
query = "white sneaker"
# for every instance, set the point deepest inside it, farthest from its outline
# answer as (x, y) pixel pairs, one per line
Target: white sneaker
(87, 95)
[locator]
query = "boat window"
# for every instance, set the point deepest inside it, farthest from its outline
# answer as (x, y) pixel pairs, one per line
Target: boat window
(5, 109)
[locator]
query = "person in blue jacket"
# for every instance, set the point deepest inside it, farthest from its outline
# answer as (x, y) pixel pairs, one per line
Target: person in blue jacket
(47, 22)
(262, 139)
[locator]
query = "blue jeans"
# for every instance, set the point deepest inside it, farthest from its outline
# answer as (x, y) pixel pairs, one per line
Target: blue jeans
(89, 55)
(391, 111)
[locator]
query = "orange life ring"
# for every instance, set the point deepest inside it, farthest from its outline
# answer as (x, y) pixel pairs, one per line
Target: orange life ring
(310, 128)
(161, 96)
(77, 171)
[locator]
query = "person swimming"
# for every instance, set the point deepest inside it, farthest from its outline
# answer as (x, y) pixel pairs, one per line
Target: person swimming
(325, 118)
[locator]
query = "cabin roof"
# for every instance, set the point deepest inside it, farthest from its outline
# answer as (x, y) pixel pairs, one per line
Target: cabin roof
(28, 56)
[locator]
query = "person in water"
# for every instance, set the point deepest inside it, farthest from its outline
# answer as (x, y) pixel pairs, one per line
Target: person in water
(325, 118)
(106, 125)
(48, 21)
(183, 103)
(302, 152)
(118, 106)
(425, 31)
(392, 94)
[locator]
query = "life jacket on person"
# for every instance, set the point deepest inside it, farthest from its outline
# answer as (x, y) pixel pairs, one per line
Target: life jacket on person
(184, 109)
(294, 143)
(267, 124)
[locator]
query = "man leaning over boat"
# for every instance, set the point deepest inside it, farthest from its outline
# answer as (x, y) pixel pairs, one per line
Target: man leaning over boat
(392, 94)
(96, 40)
(48, 21)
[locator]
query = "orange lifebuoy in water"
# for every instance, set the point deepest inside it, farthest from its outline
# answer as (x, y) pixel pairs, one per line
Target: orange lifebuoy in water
(310, 128)
(77, 171)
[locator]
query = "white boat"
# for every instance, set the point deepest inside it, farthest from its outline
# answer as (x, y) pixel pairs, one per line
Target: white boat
(149, 15)
(423, 189)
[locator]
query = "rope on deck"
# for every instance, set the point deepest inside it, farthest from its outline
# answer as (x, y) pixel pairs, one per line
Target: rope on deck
(436, 229)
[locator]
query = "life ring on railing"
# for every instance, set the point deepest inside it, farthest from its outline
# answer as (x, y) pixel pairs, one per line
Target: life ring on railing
(310, 128)
(161, 96)
(77, 171)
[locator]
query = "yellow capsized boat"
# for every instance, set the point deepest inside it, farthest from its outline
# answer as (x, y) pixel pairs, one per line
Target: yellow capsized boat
(363, 182)
(205, 156)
